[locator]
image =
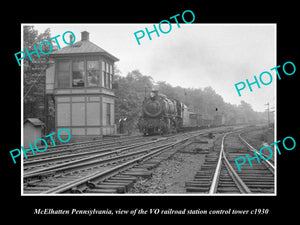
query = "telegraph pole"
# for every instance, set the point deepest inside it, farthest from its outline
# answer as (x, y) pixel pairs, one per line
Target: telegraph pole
(268, 109)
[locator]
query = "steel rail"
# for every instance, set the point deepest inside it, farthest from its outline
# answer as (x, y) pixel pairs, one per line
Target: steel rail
(222, 158)
(93, 152)
(238, 181)
(65, 148)
(83, 161)
(106, 173)
(269, 165)
(90, 163)
(89, 159)
(214, 186)
(115, 170)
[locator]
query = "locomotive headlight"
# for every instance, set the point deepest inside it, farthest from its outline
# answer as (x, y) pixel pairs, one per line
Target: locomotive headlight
(153, 94)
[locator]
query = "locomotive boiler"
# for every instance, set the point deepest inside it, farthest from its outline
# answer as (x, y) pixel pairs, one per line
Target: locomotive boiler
(160, 115)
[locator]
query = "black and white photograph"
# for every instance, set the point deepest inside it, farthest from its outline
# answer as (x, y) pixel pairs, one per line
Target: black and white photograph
(190, 112)
(176, 112)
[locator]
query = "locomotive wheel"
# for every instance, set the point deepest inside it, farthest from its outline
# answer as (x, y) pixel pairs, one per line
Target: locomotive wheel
(167, 129)
(150, 131)
(174, 126)
(164, 131)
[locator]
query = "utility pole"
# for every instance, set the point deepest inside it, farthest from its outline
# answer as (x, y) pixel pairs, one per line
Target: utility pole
(268, 109)
(272, 115)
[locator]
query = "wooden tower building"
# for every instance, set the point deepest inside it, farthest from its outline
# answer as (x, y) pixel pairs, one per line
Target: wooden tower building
(81, 82)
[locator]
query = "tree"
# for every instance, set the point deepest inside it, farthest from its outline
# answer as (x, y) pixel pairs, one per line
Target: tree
(247, 111)
(130, 95)
(34, 72)
(166, 89)
(206, 101)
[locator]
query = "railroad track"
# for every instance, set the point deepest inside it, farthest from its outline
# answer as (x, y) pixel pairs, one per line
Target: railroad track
(105, 170)
(63, 159)
(219, 174)
(77, 147)
(269, 163)
(101, 157)
(84, 175)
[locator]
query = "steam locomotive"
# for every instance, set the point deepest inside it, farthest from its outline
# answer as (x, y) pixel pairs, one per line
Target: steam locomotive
(162, 115)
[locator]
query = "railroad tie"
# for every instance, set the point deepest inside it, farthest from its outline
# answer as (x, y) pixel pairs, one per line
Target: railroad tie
(139, 172)
(106, 187)
(102, 191)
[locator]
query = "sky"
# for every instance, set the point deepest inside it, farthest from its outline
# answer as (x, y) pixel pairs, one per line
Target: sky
(192, 56)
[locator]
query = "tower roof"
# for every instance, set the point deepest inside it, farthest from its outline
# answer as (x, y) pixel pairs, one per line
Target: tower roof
(84, 46)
